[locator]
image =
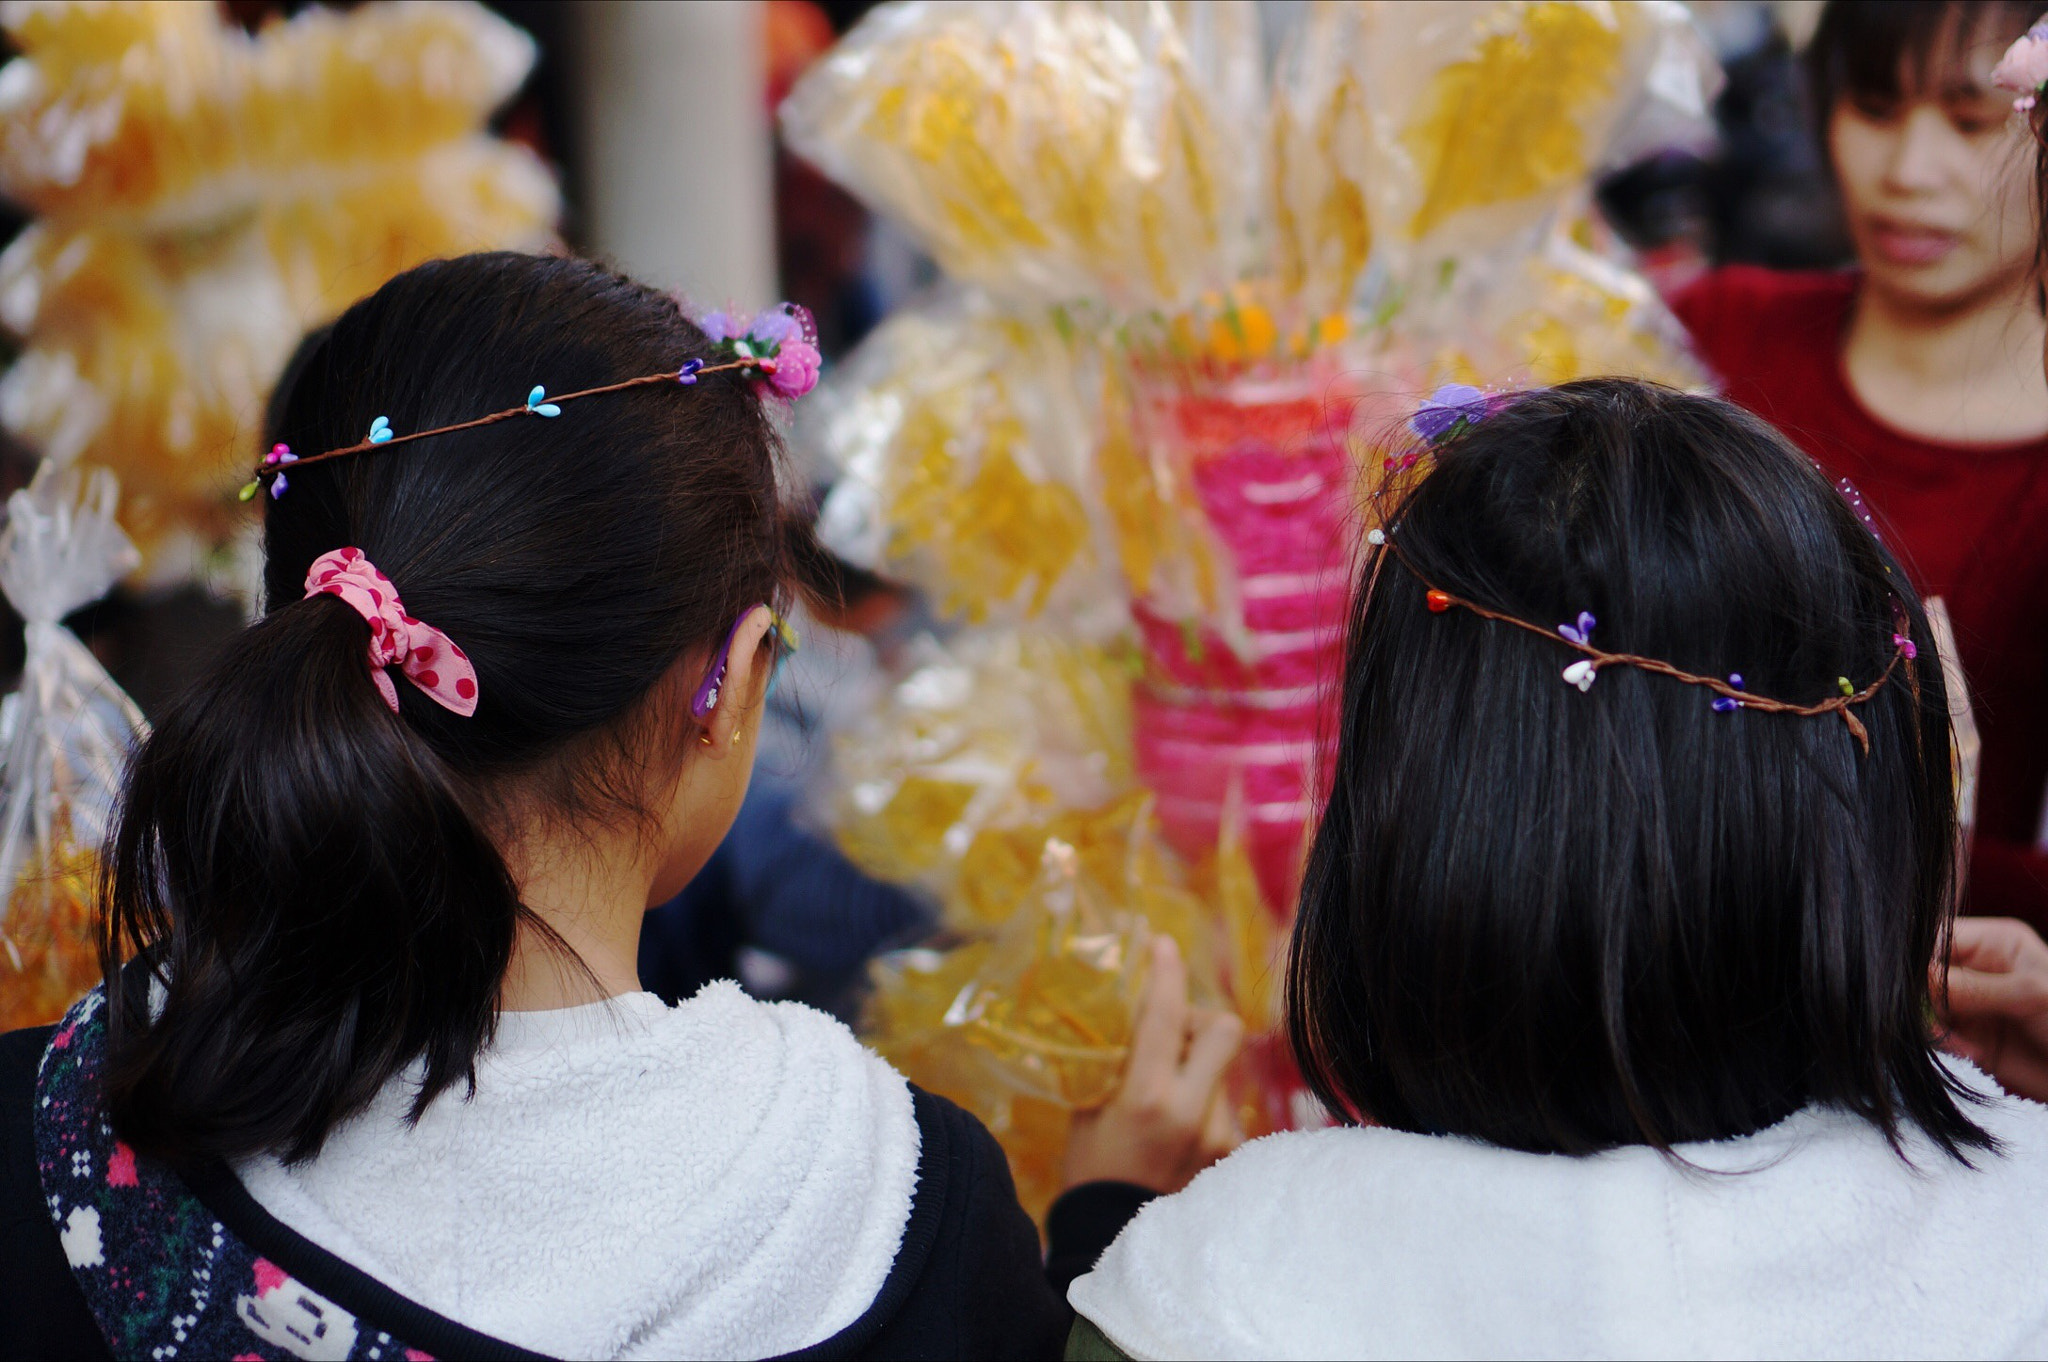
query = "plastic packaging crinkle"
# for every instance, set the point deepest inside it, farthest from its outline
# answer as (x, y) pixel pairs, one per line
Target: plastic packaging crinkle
(1204, 260)
(65, 736)
(203, 195)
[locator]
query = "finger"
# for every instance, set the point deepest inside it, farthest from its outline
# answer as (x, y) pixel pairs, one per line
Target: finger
(1217, 1038)
(1220, 1130)
(1162, 1016)
(1980, 993)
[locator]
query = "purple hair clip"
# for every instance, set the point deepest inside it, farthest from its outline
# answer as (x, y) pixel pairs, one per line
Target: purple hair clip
(1450, 411)
(706, 698)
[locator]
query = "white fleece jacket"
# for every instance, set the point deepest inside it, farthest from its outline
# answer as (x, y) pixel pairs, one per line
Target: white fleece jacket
(727, 1178)
(1811, 1239)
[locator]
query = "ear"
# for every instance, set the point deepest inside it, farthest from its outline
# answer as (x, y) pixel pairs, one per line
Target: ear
(746, 679)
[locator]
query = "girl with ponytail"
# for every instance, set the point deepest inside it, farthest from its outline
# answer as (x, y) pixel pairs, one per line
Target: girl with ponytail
(379, 1080)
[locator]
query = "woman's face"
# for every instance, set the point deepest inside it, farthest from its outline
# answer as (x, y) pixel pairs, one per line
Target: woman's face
(1934, 184)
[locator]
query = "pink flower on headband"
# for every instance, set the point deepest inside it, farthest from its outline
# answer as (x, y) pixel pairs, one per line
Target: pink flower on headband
(428, 657)
(2024, 67)
(796, 369)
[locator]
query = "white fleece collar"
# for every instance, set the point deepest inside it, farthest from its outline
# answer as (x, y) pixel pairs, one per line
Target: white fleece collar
(726, 1178)
(1378, 1243)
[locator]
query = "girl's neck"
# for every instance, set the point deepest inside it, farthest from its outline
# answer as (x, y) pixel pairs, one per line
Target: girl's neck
(593, 894)
(1969, 374)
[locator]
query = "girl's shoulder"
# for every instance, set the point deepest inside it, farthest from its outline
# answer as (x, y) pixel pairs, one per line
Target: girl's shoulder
(725, 1173)
(134, 1259)
(225, 1275)
(1812, 1237)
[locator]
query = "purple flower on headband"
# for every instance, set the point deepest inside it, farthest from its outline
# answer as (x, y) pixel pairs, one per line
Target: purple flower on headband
(1448, 408)
(776, 327)
(721, 326)
(796, 370)
(1582, 632)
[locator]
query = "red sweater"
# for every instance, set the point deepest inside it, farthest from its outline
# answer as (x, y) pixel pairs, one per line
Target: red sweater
(1970, 523)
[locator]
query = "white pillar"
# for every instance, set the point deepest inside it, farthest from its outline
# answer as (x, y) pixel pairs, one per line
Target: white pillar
(678, 186)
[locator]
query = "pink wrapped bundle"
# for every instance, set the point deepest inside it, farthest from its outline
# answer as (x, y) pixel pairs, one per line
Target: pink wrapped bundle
(1268, 464)
(1280, 512)
(1193, 744)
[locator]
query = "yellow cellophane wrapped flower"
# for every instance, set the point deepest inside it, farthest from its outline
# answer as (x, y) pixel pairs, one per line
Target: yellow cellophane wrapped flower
(1004, 730)
(203, 196)
(963, 433)
(1443, 129)
(992, 780)
(1520, 114)
(64, 742)
(48, 952)
(1023, 1026)
(1558, 313)
(1325, 156)
(1030, 1018)
(1050, 151)
(1189, 302)
(1586, 316)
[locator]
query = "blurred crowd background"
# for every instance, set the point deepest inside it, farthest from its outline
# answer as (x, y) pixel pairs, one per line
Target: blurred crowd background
(615, 79)
(658, 123)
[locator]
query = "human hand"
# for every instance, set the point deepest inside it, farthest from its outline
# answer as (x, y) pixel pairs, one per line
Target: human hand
(1169, 1118)
(1997, 1014)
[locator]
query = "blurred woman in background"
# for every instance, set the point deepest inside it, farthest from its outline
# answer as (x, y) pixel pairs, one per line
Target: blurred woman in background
(1917, 375)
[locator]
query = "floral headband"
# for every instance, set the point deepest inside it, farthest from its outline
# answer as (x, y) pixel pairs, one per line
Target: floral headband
(780, 347)
(1449, 414)
(2024, 67)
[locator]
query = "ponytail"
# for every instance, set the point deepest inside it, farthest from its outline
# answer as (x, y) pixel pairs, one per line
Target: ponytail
(319, 906)
(304, 872)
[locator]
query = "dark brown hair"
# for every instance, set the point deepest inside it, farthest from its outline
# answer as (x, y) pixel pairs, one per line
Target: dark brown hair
(314, 879)
(1563, 922)
(1881, 51)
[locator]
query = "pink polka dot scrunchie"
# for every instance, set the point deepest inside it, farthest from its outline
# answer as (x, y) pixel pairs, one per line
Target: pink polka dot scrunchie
(428, 657)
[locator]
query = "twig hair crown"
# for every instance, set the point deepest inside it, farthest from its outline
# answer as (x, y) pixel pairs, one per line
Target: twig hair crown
(779, 347)
(1447, 416)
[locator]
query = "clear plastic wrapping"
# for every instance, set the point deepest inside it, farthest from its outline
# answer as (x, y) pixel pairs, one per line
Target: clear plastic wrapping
(997, 776)
(64, 739)
(1194, 295)
(1051, 151)
(204, 195)
(963, 433)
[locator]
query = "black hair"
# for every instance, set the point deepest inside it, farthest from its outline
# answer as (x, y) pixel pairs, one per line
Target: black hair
(1881, 51)
(1564, 922)
(2037, 125)
(315, 880)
